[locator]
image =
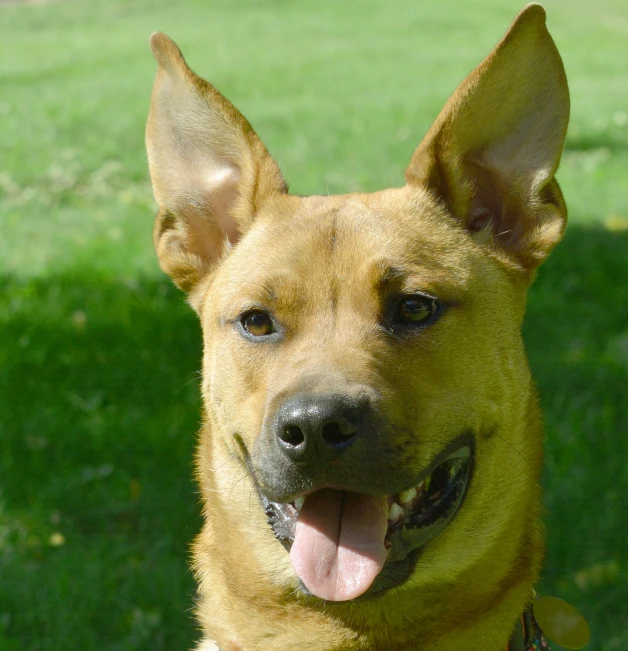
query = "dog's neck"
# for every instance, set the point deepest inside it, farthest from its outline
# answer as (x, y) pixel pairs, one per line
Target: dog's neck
(527, 635)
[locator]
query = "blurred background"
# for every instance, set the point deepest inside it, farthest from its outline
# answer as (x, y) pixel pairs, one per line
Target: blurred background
(99, 354)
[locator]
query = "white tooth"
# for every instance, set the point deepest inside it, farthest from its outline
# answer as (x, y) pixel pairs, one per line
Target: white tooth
(405, 497)
(298, 502)
(395, 512)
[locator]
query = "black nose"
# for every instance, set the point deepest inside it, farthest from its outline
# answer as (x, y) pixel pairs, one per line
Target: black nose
(317, 427)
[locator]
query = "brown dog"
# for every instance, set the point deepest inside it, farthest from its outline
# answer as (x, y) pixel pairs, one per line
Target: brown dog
(371, 451)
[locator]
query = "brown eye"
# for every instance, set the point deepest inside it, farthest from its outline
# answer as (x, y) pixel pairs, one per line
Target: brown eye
(257, 323)
(415, 309)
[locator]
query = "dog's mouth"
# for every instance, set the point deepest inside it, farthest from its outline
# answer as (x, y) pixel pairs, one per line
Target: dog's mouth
(344, 544)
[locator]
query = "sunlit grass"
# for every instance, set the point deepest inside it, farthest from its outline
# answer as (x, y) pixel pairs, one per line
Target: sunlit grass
(99, 355)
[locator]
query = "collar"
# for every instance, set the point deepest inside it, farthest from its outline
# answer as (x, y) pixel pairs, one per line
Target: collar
(528, 635)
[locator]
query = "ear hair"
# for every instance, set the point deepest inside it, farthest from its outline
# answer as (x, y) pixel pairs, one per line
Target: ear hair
(210, 171)
(492, 153)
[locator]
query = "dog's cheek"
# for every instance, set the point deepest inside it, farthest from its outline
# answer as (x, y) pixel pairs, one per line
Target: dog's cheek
(233, 383)
(465, 374)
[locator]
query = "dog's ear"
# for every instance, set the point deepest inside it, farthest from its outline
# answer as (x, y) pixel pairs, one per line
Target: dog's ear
(492, 153)
(210, 171)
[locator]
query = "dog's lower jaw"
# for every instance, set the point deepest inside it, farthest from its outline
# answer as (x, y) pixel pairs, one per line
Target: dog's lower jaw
(288, 627)
(484, 602)
(480, 613)
(249, 600)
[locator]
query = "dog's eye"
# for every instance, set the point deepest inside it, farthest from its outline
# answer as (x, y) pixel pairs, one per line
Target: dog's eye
(415, 309)
(257, 323)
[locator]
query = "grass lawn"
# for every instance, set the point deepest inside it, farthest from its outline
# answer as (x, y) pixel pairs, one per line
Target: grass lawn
(99, 355)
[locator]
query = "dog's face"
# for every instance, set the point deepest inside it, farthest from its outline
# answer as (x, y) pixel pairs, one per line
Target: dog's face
(367, 397)
(362, 344)
(342, 352)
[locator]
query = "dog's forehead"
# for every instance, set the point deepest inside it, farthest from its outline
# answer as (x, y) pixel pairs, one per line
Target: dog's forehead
(397, 225)
(308, 244)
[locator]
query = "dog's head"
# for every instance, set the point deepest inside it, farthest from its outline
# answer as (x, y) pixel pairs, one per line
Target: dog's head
(363, 367)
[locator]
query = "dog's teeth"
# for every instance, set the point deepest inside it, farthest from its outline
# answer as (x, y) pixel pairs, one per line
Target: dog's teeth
(405, 497)
(396, 512)
(298, 502)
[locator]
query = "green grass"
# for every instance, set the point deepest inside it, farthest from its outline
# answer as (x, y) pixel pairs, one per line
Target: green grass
(99, 355)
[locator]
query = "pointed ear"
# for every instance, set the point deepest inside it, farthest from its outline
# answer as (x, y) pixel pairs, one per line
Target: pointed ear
(210, 171)
(492, 153)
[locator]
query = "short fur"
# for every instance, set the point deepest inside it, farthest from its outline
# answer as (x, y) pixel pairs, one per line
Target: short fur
(479, 212)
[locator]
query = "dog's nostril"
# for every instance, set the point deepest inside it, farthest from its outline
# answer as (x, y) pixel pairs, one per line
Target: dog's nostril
(292, 435)
(333, 433)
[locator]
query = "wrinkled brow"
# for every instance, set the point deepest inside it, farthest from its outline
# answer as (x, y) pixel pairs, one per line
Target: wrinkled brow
(384, 275)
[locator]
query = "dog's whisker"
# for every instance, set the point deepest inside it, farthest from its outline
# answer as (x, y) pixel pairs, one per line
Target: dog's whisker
(215, 469)
(194, 379)
(241, 480)
(522, 458)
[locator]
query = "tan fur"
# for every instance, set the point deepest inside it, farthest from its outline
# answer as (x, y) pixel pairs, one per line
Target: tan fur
(480, 211)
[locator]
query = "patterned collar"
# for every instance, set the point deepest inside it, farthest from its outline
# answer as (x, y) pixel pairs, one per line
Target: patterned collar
(528, 635)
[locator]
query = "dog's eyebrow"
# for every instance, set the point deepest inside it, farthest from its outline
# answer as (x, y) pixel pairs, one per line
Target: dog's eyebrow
(391, 278)
(270, 290)
(384, 274)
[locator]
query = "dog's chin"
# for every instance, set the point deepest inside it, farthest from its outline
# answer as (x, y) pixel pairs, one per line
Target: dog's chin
(416, 515)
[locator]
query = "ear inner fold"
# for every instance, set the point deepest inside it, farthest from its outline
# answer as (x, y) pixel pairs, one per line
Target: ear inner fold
(492, 153)
(210, 171)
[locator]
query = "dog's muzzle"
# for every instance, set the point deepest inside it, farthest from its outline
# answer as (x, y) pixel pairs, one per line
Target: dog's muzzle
(336, 496)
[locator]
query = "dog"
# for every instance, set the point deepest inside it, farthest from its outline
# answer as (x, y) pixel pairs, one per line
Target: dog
(371, 446)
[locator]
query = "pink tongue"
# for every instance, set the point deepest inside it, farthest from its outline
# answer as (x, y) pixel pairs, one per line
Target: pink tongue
(338, 547)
